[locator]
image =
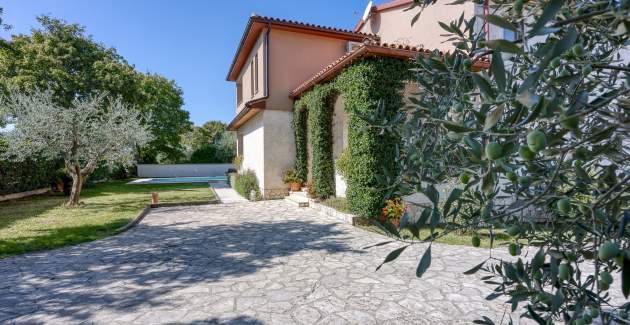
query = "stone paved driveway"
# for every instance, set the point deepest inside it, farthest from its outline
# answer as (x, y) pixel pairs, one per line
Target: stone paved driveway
(240, 263)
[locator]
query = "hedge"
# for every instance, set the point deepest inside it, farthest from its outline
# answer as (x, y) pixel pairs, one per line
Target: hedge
(367, 85)
(26, 176)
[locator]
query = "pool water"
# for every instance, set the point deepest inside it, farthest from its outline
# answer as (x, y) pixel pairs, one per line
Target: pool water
(180, 180)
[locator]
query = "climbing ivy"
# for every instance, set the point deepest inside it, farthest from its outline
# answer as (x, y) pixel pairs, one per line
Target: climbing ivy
(319, 103)
(369, 85)
(301, 152)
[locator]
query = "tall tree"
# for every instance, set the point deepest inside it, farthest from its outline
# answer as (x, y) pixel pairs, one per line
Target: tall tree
(162, 100)
(90, 130)
(62, 58)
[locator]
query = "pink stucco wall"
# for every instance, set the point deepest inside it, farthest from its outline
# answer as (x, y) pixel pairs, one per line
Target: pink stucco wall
(394, 25)
(295, 57)
(244, 76)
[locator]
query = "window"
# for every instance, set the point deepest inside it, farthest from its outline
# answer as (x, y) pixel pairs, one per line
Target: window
(239, 93)
(256, 73)
(251, 78)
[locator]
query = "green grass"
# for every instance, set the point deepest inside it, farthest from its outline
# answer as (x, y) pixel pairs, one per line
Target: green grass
(338, 203)
(454, 238)
(43, 222)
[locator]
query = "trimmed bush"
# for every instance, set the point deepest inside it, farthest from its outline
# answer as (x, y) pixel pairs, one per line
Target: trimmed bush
(26, 176)
(245, 183)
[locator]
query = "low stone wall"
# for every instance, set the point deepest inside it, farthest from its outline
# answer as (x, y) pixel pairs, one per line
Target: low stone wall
(328, 211)
(15, 196)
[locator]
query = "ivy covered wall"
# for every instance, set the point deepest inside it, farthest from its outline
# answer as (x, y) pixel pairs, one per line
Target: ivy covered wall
(364, 84)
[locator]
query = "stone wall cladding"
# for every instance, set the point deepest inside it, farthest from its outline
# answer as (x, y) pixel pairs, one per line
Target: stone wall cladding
(275, 194)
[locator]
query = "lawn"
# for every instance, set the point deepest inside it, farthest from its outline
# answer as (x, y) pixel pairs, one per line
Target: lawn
(454, 238)
(42, 222)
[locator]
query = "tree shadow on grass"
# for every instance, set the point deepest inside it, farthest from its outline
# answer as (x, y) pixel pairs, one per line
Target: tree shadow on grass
(54, 238)
(146, 267)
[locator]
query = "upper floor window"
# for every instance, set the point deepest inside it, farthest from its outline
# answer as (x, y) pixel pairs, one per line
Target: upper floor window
(256, 73)
(239, 93)
(251, 78)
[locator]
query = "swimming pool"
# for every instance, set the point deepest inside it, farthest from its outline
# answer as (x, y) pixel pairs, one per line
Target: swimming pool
(180, 180)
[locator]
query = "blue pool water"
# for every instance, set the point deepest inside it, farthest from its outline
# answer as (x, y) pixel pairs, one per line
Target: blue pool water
(180, 180)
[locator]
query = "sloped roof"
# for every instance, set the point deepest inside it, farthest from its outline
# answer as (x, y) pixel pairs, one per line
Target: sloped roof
(257, 23)
(365, 50)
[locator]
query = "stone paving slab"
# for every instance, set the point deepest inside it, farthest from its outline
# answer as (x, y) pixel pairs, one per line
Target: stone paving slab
(241, 263)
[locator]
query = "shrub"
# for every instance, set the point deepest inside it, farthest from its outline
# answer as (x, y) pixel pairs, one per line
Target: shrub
(26, 176)
(238, 162)
(204, 155)
(245, 183)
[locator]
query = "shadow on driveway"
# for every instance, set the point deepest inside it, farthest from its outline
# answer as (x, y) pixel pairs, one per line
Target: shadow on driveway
(140, 268)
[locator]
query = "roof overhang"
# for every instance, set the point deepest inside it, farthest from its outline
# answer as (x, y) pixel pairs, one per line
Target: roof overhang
(257, 24)
(250, 110)
(367, 50)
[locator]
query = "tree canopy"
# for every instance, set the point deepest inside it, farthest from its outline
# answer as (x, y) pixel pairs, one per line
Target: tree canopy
(60, 57)
(89, 131)
(539, 143)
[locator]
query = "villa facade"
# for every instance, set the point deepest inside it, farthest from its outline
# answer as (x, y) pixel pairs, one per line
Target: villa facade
(279, 60)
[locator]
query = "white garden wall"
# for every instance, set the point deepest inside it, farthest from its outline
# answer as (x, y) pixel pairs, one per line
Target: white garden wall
(183, 170)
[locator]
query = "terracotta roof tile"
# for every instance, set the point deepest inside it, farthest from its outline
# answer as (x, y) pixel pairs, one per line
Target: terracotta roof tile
(366, 48)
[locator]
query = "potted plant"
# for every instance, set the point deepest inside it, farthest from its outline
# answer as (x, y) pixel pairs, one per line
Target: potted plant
(291, 177)
(393, 211)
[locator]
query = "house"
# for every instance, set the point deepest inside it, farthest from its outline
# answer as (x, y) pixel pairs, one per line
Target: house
(277, 61)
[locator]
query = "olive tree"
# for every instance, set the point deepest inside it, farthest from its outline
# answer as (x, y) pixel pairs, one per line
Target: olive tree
(91, 130)
(538, 140)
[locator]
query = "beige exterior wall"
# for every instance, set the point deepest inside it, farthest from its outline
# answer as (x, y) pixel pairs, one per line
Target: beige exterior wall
(253, 150)
(279, 152)
(244, 78)
(394, 25)
(295, 57)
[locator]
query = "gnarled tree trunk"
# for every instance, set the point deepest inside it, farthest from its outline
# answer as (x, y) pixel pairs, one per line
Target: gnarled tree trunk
(78, 179)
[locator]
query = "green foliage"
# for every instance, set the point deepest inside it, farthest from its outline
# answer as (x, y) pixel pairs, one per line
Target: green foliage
(210, 143)
(291, 176)
(546, 121)
(368, 86)
(60, 57)
(238, 162)
(162, 100)
(343, 162)
(247, 182)
(319, 103)
(26, 176)
(300, 121)
(204, 155)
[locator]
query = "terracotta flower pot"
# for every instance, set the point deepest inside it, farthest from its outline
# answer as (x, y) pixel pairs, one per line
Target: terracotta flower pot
(295, 187)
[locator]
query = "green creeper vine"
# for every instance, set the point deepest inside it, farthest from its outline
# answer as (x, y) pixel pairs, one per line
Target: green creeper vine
(369, 85)
(301, 153)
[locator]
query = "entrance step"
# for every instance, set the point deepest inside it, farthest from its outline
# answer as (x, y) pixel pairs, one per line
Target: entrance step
(297, 199)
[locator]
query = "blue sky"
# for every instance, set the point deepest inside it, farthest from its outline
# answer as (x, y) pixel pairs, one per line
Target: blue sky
(190, 41)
